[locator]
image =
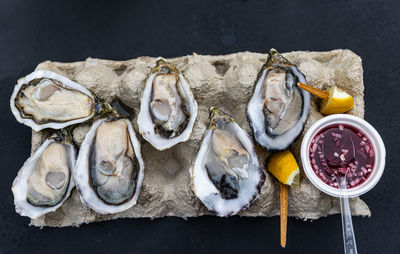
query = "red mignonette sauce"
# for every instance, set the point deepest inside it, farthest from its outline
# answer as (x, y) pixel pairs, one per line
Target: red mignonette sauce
(341, 149)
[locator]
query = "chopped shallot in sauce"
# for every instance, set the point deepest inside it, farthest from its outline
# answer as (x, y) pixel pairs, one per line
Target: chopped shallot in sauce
(340, 150)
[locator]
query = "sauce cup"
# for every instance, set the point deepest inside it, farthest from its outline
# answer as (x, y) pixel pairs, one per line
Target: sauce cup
(368, 131)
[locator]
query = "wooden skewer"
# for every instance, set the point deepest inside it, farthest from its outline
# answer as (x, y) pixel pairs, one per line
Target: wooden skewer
(284, 210)
(314, 91)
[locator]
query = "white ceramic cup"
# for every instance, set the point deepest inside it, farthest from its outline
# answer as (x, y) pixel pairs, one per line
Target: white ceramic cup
(368, 131)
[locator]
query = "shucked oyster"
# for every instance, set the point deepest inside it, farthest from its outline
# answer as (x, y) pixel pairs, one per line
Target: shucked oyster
(168, 109)
(45, 182)
(226, 175)
(44, 99)
(278, 109)
(109, 169)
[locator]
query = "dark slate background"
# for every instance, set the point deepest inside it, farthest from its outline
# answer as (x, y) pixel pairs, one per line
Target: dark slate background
(35, 31)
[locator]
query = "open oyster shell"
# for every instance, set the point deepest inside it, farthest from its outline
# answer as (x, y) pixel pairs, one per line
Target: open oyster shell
(109, 169)
(44, 99)
(45, 180)
(226, 175)
(278, 109)
(168, 109)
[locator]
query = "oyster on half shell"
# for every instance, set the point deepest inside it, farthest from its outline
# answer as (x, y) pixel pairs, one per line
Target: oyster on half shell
(226, 175)
(278, 109)
(168, 109)
(109, 169)
(45, 182)
(44, 99)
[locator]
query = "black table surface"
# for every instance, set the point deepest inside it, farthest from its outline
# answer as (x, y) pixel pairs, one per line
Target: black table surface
(35, 31)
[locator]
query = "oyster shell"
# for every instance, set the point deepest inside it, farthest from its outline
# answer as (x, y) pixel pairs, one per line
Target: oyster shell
(109, 169)
(44, 182)
(278, 109)
(226, 175)
(168, 109)
(44, 99)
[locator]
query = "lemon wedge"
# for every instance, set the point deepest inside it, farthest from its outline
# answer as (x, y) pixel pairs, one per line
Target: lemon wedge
(284, 167)
(339, 102)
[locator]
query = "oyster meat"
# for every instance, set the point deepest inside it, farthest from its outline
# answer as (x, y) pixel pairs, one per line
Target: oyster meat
(109, 169)
(168, 109)
(45, 182)
(226, 175)
(278, 109)
(44, 99)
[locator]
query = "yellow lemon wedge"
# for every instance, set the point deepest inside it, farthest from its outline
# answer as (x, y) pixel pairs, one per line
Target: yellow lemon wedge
(284, 167)
(339, 102)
